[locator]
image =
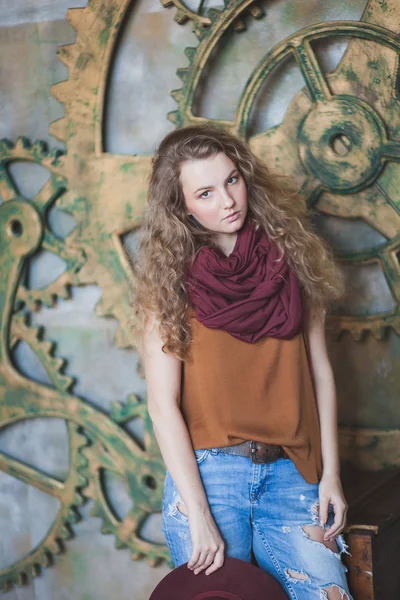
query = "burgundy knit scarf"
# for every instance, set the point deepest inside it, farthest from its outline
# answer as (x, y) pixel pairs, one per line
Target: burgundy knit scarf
(247, 293)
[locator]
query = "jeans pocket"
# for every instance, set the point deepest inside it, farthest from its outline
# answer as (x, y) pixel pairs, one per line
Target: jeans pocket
(201, 454)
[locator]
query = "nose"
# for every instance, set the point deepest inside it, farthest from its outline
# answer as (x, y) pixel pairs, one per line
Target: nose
(227, 201)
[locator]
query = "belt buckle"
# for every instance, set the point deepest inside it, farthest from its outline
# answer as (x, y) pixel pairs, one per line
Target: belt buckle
(267, 458)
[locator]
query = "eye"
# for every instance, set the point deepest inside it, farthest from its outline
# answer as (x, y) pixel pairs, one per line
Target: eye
(232, 179)
(206, 192)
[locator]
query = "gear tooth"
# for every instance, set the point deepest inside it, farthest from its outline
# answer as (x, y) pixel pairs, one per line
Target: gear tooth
(73, 516)
(45, 559)
(173, 116)
(40, 147)
(190, 53)
(34, 571)
(358, 334)
(58, 129)
(239, 25)
(65, 532)
(5, 146)
(74, 17)
(67, 54)
(200, 32)
(137, 555)
(21, 579)
(256, 11)
(47, 346)
(54, 547)
(182, 73)
(78, 498)
(180, 17)
(115, 411)
(177, 95)
(214, 14)
(60, 90)
(22, 144)
(65, 383)
(82, 462)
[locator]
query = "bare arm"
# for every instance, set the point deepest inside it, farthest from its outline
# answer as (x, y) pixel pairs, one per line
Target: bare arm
(330, 486)
(163, 377)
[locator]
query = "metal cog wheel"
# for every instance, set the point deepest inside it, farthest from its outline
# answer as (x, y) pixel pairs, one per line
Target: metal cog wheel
(349, 184)
(204, 18)
(103, 457)
(22, 150)
(23, 230)
(68, 492)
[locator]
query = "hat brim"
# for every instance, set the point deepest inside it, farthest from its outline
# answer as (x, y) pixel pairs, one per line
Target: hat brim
(242, 579)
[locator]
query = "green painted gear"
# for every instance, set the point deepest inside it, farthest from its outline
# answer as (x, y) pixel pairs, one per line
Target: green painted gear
(204, 17)
(68, 492)
(322, 178)
(23, 399)
(103, 457)
(54, 188)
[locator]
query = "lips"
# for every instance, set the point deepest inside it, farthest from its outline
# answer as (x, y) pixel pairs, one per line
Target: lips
(231, 215)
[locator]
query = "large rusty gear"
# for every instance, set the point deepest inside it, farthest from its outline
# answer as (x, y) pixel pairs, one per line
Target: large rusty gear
(23, 150)
(68, 492)
(22, 230)
(204, 17)
(325, 108)
(127, 530)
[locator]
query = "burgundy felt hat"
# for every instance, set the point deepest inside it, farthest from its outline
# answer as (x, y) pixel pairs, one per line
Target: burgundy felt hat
(235, 580)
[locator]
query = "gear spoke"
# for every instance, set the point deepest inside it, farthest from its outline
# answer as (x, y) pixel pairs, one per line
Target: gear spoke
(31, 476)
(7, 188)
(46, 196)
(391, 151)
(314, 78)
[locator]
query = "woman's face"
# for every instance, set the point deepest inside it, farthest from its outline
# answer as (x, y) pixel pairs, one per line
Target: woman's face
(214, 190)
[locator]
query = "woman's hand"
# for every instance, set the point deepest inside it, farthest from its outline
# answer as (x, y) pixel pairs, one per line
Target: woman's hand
(208, 545)
(330, 492)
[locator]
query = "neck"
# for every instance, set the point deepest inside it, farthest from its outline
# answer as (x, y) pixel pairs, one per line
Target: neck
(226, 242)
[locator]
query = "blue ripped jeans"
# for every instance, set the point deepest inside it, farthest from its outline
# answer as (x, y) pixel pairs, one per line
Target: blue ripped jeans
(261, 508)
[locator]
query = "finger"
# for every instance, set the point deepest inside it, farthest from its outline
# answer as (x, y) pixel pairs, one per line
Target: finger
(194, 559)
(207, 562)
(337, 525)
(200, 563)
(218, 561)
(323, 511)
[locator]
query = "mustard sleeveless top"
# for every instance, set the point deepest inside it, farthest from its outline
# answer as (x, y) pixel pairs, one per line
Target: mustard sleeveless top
(234, 391)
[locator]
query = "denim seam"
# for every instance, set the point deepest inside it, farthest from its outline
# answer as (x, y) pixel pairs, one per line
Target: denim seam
(170, 546)
(276, 563)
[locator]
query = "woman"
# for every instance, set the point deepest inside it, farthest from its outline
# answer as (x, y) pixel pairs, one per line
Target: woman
(231, 287)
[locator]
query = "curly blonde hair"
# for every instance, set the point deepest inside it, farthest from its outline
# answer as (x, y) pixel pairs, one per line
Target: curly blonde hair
(170, 239)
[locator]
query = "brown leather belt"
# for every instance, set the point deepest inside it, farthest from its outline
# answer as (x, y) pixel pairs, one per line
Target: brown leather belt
(259, 452)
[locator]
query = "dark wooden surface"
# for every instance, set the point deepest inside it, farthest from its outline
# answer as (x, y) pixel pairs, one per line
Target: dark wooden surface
(373, 533)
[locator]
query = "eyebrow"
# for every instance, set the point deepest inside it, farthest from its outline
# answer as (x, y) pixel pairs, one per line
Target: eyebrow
(207, 187)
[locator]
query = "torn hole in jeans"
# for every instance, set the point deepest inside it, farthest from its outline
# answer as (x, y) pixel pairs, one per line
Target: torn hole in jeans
(333, 592)
(297, 576)
(177, 506)
(316, 533)
(182, 508)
